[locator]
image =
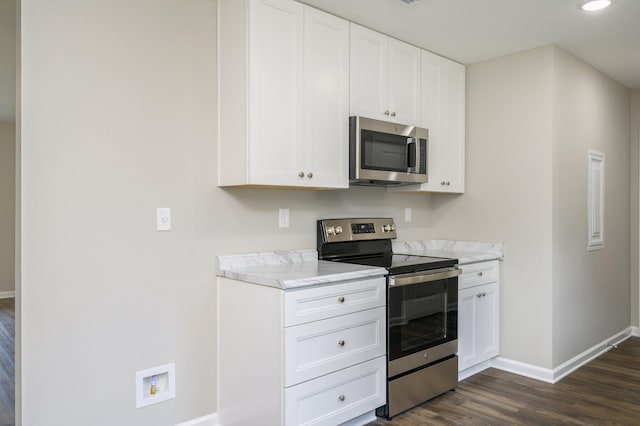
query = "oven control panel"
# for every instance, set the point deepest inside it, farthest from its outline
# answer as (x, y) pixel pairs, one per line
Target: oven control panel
(338, 230)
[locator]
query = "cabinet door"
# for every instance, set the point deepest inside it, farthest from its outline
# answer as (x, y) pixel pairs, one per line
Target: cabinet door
(275, 88)
(478, 328)
(326, 100)
(404, 83)
(452, 126)
(467, 328)
(442, 100)
(487, 317)
(369, 96)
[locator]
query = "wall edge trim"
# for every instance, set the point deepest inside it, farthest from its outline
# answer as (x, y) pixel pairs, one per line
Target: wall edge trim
(208, 420)
(566, 368)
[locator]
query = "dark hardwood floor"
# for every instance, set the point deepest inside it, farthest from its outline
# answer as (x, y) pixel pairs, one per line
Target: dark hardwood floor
(604, 392)
(7, 365)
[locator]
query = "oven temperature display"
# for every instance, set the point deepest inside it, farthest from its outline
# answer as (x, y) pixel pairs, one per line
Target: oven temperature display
(363, 228)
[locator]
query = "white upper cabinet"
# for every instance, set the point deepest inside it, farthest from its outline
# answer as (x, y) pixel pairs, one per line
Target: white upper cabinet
(283, 98)
(275, 91)
(326, 99)
(385, 77)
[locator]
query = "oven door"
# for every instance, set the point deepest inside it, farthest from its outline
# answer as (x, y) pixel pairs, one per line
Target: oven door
(422, 310)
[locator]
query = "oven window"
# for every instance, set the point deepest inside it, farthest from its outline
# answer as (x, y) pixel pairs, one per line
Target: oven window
(383, 151)
(422, 316)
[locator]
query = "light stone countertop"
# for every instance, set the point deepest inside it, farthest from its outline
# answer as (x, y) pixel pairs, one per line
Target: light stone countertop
(300, 268)
(465, 251)
(291, 269)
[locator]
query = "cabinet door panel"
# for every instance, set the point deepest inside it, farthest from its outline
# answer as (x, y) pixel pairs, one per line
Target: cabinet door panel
(404, 82)
(320, 347)
(326, 102)
(487, 317)
(275, 87)
(467, 330)
(368, 73)
(452, 130)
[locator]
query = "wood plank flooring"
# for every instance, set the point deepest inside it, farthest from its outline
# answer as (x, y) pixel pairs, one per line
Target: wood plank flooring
(605, 391)
(7, 365)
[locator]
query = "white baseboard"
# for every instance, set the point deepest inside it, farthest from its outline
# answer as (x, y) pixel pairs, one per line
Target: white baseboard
(208, 420)
(566, 368)
(212, 420)
(474, 370)
(7, 294)
(635, 331)
(523, 369)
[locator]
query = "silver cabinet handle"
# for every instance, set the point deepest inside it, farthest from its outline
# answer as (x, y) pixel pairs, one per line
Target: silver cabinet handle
(448, 183)
(341, 398)
(301, 174)
(341, 343)
(443, 183)
(480, 273)
(393, 114)
(309, 175)
(386, 112)
(341, 299)
(479, 295)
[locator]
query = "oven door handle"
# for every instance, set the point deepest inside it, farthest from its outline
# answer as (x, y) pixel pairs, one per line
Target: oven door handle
(423, 277)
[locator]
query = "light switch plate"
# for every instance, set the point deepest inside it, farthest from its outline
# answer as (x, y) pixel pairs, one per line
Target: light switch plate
(407, 214)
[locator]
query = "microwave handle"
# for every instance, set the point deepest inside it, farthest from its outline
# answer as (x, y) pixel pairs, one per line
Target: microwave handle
(413, 152)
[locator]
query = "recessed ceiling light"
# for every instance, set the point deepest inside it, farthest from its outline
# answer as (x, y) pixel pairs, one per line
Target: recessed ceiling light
(593, 5)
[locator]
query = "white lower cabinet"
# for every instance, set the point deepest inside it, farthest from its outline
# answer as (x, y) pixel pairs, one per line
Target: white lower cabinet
(337, 397)
(478, 314)
(303, 356)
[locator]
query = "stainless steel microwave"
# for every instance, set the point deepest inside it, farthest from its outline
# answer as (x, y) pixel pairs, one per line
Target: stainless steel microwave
(386, 154)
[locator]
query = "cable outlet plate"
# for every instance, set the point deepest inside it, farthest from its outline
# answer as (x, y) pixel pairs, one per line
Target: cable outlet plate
(164, 380)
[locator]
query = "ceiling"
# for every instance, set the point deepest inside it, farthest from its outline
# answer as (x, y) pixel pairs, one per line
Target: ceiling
(471, 31)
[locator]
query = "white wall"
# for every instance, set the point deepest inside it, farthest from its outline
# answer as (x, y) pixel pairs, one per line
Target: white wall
(531, 117)
(7, 206)
(590, 289)
(118, 118)
(508, 192)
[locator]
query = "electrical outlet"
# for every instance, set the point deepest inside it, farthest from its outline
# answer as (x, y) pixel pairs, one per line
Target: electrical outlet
(283, 218)
(407, 214)
(163, 218)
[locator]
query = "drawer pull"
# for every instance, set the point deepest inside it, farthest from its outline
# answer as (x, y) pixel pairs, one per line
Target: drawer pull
(341, 342)
(481, 294)
(480, 273)
(341, 299)
(341, 398)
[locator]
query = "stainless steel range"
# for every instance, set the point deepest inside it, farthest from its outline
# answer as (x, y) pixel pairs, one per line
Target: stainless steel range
(422, 308)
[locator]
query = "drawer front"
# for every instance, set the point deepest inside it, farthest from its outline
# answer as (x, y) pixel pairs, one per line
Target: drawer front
(316, 303)
(337, 397)
(322, 347)
(478, 274)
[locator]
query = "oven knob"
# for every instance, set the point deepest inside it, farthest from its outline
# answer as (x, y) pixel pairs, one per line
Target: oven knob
(331, 230)
(338, 230)
(393, 227)
(386, 228)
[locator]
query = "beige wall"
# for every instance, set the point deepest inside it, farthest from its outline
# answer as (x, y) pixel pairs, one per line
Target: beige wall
(633, 200)
(7, 62)
(508, 192)
(118, 118)
(7, 206)
(590, 289)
